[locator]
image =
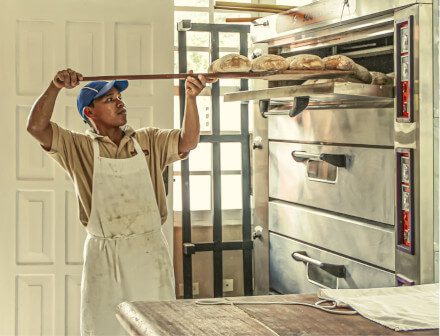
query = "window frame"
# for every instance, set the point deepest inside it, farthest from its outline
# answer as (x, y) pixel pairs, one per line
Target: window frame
(207, 92)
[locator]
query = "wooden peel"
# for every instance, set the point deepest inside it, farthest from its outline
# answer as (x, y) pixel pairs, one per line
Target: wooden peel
(253, 5)
(267, 75)
(239, 6)
(249, 19)
(184, 75)
(261, 8)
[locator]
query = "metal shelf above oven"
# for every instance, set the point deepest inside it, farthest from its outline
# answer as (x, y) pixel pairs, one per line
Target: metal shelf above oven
(319, 92)
(304, 74)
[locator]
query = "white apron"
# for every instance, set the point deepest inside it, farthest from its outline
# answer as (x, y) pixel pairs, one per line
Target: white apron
(125, 253)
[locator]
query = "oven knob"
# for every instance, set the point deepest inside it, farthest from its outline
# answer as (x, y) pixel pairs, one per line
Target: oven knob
(258, 143)
(405, 201)
(404, 44)
(258, 232)
(405, 69)
(405, 173)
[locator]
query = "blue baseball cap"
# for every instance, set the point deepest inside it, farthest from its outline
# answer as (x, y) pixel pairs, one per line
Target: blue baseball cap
(97, 89)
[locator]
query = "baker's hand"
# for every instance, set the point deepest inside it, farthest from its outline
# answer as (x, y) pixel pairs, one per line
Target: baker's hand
(67, 79)
(193, 86)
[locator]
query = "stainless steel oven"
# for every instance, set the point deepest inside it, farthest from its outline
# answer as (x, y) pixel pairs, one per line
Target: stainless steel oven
(343, 173)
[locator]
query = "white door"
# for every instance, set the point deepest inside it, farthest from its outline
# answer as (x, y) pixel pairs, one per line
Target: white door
(40, 236)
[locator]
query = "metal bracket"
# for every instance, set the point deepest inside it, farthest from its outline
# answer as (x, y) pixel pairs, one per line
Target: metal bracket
(264, 107)
(216, 246)
(299, 105)
(256, 53)
(189, 249)
(338, 160)
(184, 25)
(338, 271)
(264, 24)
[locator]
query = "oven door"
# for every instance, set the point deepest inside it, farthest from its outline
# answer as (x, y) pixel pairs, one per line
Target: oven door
(367, 127)
(355, 181)
(343, 235)
(293, 269)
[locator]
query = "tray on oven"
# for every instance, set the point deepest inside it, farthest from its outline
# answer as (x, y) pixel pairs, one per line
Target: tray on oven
(305, 74)
(319, 92)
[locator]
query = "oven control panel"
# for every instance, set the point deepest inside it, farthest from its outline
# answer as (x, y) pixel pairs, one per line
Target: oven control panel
(405, 200)
(404, 71)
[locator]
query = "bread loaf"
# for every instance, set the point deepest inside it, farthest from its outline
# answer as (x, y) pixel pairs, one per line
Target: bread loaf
(379, 78)
(332, 80)
(338, 62)
(362, 73)
(305, 62)
(231, 63)
(269, 63)
(341, 62)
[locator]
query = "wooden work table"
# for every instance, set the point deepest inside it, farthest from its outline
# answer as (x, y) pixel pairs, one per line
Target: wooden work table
(185, 317)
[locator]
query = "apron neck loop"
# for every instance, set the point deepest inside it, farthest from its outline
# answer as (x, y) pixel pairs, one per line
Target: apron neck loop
(137, 147)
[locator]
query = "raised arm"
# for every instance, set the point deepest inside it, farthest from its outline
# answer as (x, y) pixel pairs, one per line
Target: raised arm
(38, 124)
(190, 134)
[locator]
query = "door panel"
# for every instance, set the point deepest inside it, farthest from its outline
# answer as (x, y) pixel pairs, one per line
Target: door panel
(41, 237)
(35, 227)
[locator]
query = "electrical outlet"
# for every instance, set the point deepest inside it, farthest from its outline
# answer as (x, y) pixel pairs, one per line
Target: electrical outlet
(228, 285)
(195, 289)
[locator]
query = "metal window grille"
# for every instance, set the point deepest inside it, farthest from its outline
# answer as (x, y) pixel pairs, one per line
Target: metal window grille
(217, 246)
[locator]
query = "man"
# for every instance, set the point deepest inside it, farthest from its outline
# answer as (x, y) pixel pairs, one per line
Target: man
(117, 173)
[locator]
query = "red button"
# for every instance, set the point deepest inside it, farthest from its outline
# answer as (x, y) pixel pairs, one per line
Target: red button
(405, 86)
(405, 97)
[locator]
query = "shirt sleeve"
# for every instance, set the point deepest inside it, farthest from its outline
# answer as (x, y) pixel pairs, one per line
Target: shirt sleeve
(64, 150)
(165, 144)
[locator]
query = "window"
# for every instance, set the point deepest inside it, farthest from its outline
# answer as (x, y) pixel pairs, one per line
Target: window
(198, 57)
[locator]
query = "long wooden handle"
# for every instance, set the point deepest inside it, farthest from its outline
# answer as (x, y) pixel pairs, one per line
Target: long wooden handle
(252, 6)
(250, 19)
(242, 9)
(183, 76)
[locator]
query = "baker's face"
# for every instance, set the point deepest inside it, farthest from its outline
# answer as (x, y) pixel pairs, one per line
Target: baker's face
(109, 110)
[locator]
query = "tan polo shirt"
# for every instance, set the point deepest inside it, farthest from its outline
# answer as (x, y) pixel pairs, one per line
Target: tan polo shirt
(74, 152)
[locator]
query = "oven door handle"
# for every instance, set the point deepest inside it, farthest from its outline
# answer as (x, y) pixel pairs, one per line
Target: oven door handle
(338, 271)
(299, 104)
(338, 160)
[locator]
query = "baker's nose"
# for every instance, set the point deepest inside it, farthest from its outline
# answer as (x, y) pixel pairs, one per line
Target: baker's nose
(120, 102)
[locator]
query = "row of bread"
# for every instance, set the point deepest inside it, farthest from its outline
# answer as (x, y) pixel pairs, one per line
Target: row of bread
(377, 78)
(240, 63)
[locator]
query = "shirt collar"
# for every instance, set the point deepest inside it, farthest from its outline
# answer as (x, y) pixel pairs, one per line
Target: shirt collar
(128, 131)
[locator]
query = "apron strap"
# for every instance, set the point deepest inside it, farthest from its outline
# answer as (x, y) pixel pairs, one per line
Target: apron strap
(95, 152)
(137, 146)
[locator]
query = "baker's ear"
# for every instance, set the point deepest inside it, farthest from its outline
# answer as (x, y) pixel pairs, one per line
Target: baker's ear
(88, 111)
